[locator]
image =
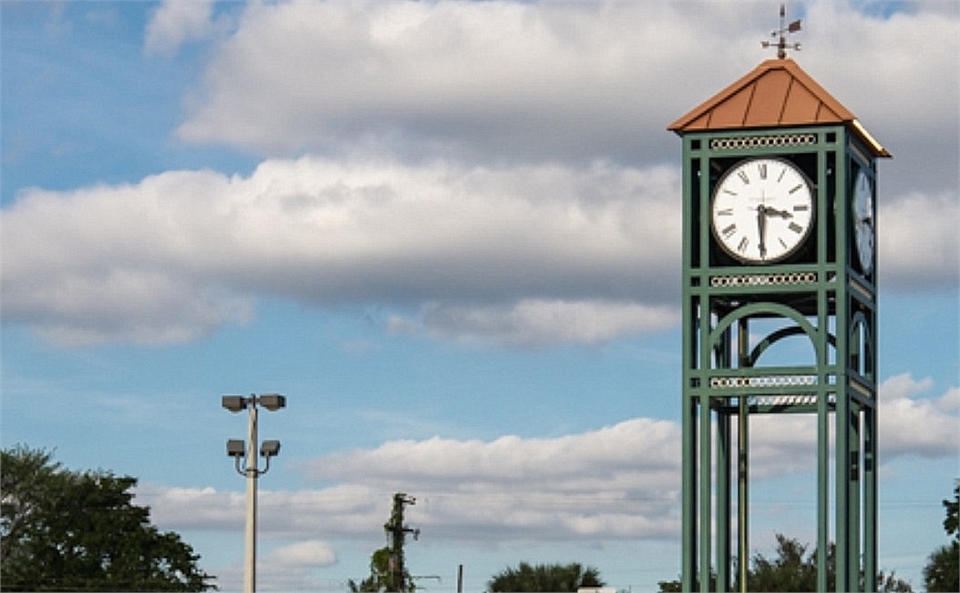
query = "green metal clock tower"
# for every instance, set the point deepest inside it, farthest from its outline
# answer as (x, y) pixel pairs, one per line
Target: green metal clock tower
(779, 315)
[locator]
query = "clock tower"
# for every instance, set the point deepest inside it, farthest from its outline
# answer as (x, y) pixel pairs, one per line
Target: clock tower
(779, 315)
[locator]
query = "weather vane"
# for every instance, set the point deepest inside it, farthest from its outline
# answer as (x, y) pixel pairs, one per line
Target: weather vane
(782, 44)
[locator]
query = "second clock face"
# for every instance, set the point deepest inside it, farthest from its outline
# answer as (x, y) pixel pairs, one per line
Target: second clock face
(762, 210)
(863, 221)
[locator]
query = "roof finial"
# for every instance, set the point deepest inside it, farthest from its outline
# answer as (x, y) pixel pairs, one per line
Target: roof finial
(782, 44)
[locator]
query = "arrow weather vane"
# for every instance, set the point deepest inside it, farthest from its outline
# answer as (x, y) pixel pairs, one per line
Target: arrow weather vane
(782, 44)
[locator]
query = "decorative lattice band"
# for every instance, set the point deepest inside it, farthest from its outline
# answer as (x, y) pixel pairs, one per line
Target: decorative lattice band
(739, 281)
(761, 382)
(738, 142)
(784, 400)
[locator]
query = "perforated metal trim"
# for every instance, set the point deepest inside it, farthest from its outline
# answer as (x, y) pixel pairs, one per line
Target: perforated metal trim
(741, 142)
(788, 278)
(762, 382)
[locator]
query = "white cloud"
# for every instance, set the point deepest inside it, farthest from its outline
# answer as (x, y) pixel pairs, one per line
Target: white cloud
(502, 240)
(450, 76)
(176, 22)
(291, 567)
(305, 554)
(914, 423)
(523, 255)
(534, 323)
(181, 253)
(570, 460)
(547, 81)
(620, 481)
(919, 243)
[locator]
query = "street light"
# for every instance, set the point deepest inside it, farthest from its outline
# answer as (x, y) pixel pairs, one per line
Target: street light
(239, 450)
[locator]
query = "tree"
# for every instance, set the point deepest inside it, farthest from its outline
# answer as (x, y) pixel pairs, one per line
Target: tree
(942, 572)
(543, 577)
(789, 571)
(75, 531)
(381, 577)
(388, 569)
(793, 569)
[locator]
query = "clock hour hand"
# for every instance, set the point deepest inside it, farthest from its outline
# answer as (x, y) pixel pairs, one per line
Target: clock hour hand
(775, 212)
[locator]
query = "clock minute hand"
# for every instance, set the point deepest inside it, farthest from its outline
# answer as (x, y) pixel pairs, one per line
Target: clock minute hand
(762, 227)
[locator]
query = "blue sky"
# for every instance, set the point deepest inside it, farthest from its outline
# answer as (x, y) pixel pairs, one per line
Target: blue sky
(449, 233)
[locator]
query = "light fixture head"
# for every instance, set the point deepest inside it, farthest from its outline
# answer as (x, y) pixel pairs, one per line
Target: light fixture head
(270, 448)
(272, 401)
(235, 448)
(234, 403)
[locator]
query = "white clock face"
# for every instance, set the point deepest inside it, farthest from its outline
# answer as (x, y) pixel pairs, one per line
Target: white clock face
(762, 210)
(863, 221)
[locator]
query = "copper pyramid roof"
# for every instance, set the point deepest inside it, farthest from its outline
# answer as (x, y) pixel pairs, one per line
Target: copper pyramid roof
(777, 93)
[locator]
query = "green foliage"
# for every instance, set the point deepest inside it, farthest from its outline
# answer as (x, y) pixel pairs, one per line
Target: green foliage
(942, 572)
(794, 569)
(677, 586)
(381, 577)
(543, 577)
(73, 531)
(950, 524)
(670, 586)
(789, 571)
(388, 570)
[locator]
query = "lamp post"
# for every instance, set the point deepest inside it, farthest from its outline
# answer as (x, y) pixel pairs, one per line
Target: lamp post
(236, 449)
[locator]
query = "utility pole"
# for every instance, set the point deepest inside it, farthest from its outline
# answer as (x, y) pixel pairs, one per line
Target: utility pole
(396, 537)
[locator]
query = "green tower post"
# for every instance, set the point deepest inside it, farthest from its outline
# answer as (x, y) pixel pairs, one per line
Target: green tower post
(779, 315)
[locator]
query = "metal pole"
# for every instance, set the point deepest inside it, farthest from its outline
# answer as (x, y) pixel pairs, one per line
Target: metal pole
(250, 562)
(743, 505)
(743, 464)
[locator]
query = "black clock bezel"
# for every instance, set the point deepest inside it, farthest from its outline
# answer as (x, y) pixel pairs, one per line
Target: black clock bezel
(799, 247)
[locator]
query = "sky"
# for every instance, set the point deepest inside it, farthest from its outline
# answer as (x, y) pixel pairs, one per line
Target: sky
(449, 232)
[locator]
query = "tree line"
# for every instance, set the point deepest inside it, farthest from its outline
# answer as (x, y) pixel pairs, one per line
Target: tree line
(63, 530)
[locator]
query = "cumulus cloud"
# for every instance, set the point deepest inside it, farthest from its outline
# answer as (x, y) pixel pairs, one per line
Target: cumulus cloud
(523, 256)
(497, 78)
(535, 323)
(919, 244)
(288, 567)
(176, 22)
(305, 554)
(618, 481)
(181, 253)
(520, 196)
(548, 81)
(913, 422)
(615, 482)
